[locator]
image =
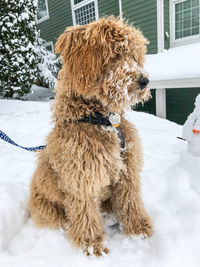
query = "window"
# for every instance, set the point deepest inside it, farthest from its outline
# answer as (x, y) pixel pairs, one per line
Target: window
(185, 21)
(49, 46)
(42, 12)
(84, 11)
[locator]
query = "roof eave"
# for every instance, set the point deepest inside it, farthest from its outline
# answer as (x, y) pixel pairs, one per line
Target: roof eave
(175, 83)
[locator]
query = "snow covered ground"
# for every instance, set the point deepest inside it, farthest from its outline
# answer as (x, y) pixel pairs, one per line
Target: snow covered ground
(170, 196)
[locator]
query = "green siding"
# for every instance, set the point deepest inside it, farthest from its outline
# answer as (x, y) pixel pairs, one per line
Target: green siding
(60, 16)
(180, 103)
(166, 24)
(108, 7)
(143, 14)
(149, 106)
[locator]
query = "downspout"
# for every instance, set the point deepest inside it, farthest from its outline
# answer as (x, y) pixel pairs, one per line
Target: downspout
(120, 9)
(161, 92)
(160, 25)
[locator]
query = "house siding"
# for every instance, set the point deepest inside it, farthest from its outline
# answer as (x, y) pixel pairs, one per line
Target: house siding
(180, 103)
(149, 106)
(108, 7)
(144, 16)
(60, 16)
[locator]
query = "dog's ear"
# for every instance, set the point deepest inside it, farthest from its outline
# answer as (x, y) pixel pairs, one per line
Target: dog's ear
(80, 57)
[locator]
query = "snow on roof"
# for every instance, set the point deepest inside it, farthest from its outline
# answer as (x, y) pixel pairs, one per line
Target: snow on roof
(175, 63)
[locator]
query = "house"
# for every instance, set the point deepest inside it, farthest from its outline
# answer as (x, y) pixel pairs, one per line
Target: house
(173, 29)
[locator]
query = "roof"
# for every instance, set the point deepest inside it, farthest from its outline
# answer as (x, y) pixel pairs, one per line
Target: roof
(177, 66)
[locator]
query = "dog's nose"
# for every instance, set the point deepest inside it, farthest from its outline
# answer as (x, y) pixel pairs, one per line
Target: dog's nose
(143, 82)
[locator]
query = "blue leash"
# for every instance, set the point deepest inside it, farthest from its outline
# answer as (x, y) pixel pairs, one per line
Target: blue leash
(4, 137)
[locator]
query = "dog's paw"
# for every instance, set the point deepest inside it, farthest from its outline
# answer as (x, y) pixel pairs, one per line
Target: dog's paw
(145, 227)
(96, 250)
(142, 227)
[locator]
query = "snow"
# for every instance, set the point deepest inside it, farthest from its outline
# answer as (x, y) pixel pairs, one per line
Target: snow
(169, 192)
(193, 123)
(175, 63)
(39, 93)
(193, 139)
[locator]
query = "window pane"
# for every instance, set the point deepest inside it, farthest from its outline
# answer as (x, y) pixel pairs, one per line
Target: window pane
(195, 3)
(179, 26)
(179, 16)
(195, 12)
(178, 7)
(187, 23)
(195, 31)
(195, 22)
(42, 9)
(186, 33)
(77, 1)
(178, 35)
(187, 4)
(49, 48)
(187, 14)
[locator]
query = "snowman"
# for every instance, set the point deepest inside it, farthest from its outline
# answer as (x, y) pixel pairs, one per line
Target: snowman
(191, 130)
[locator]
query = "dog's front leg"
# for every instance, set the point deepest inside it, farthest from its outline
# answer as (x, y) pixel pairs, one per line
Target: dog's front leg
(126, 199)
(85, 224)
(129, 208)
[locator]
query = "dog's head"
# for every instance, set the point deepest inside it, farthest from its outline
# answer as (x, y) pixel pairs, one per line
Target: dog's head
(104, 59)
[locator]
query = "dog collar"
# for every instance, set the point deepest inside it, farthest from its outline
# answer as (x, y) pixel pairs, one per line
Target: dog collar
(96, 119)
(113, 119)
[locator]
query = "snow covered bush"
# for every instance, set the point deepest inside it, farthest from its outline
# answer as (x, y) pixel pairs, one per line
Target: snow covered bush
(47, 67)
(18, 37)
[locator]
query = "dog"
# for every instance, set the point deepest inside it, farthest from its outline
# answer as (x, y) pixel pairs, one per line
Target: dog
(91, 165)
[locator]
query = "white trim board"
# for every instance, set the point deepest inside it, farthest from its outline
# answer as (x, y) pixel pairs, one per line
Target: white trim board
(161, 103)
(175, 83)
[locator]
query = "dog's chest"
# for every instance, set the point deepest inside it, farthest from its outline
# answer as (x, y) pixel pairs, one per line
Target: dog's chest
(117, 133)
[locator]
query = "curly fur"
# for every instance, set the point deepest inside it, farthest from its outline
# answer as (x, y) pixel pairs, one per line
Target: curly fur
(83, 171)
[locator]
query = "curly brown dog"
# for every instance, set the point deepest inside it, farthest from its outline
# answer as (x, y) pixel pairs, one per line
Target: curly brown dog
(84, 169)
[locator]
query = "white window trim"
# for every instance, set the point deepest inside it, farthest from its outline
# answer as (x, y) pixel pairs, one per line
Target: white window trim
(83, 3)
(184, 40)
(51, 44)
(46, 17)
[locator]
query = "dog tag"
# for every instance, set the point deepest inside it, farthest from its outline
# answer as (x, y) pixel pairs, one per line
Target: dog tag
(115, 119)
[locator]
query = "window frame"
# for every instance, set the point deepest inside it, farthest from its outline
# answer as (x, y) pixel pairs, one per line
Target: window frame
(46, 17)
(81, 4)
(184, 40)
